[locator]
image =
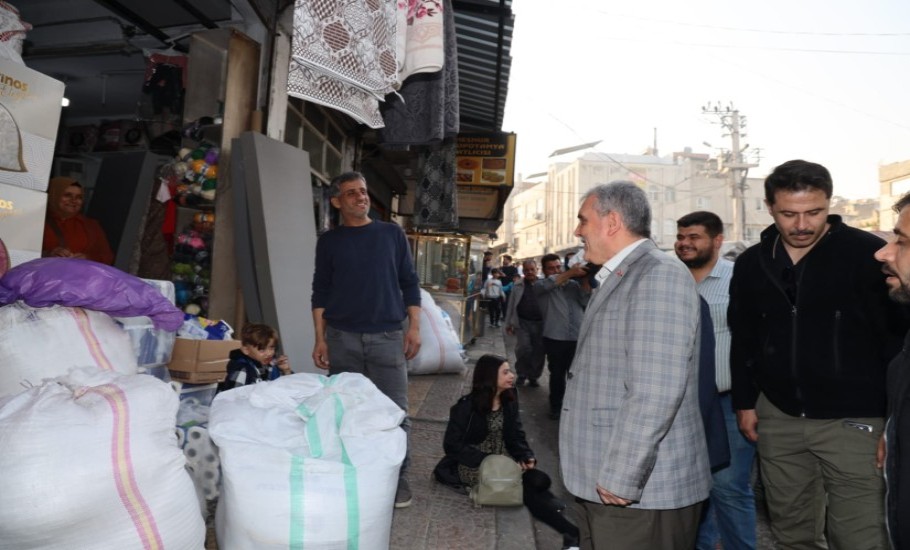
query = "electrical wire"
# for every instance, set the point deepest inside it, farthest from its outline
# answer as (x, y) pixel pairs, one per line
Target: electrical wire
(759, 31)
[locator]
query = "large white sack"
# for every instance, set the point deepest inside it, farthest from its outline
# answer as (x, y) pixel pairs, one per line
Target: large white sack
(307, 461)
(46, 342)
(440, 348)
(90, 461)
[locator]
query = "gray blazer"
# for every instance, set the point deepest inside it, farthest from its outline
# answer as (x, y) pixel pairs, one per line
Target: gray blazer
(631, 422)
(511, 316)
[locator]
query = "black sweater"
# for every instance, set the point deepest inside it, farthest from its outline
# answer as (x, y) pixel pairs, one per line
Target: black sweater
(365, 278)
(825, 353)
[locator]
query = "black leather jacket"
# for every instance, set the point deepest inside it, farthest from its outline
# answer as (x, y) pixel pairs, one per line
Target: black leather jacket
(897, 462)
(823, 353)
(467, 429)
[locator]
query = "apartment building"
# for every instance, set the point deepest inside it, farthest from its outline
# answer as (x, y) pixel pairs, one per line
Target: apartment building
(540, 217)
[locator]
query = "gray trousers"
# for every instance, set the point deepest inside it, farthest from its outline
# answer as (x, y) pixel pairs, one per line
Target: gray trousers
(821, 484)
(621, 528)
(529, 349)
(378, 356)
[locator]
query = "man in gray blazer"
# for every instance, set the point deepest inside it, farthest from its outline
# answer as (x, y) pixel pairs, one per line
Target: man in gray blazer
(632, 446)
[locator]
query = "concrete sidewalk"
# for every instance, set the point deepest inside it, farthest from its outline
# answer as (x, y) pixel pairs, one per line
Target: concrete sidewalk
(441, 518)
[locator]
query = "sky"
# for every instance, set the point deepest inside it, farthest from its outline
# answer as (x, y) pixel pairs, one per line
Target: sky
(825, 81)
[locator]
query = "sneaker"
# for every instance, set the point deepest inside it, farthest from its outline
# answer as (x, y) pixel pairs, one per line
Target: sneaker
(403, 494)
(569, 542)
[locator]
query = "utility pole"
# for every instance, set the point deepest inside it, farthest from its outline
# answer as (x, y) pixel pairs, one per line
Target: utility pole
(734, 165)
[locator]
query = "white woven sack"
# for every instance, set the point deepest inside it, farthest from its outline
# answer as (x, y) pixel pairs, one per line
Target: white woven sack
(46, 342)
(440, 348)
(307, 461)
(90, 461)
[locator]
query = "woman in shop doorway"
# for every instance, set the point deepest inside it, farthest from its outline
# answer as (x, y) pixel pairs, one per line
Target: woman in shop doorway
(68, 233)
(487, 421)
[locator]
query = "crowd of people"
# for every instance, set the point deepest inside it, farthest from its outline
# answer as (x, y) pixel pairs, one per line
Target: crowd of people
(794, 339)
(672, 377)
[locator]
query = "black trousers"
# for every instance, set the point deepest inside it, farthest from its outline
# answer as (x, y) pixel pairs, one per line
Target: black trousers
(494, 307)
(559, 359)
(542, 503)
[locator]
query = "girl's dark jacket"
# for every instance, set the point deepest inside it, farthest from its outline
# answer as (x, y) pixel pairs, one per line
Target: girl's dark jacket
(823, 354)
(467, 429)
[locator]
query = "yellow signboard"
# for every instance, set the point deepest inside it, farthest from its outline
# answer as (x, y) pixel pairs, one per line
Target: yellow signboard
(485, 159)
(477, 201)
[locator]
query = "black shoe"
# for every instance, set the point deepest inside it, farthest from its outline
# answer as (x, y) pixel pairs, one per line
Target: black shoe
(533, 383)
(554, 415)
(557, 504)
(520, 382)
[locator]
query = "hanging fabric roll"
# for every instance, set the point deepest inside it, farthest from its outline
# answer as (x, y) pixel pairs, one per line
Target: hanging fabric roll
(436, 201)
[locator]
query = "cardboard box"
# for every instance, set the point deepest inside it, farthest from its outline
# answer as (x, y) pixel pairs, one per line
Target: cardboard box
(200, 361)
(197, 377)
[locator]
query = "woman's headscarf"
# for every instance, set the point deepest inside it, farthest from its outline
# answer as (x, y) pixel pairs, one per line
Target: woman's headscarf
(55, 190)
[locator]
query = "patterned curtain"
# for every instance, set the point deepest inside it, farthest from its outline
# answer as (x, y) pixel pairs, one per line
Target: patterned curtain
(436, 200)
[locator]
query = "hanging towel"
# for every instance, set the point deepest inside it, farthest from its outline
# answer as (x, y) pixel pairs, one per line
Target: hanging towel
(426, 110)
(420, 37)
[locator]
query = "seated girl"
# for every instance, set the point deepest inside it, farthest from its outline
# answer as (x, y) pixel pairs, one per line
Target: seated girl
(487, 421)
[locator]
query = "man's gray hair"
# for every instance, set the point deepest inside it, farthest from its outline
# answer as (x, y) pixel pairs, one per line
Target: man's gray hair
(340, 179)
(626, 199)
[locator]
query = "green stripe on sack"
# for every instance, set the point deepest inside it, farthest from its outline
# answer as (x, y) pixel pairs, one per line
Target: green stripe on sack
(297, 474)
(295, 533)
(350, 483)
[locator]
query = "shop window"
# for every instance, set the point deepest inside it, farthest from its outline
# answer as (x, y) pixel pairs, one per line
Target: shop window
(293, 131)
(311, 128)
(312, 143)
(326, 216)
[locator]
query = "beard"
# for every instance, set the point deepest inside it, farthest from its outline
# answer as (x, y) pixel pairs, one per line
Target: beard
(900, 294)
(701, 259)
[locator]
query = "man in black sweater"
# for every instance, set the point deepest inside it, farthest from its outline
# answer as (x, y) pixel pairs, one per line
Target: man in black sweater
(813, 331)
(363, 287)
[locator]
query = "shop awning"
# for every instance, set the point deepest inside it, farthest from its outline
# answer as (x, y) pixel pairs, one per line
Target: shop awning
(484, 33)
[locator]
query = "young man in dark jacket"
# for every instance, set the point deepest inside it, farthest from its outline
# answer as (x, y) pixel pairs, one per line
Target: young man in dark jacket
(813, 332)
(896, 259)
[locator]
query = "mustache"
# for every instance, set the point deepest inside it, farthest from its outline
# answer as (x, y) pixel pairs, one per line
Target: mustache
(888, 271)
(801, 233)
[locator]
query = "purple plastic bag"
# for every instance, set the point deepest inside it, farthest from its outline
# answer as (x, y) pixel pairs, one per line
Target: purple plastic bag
(82, 283)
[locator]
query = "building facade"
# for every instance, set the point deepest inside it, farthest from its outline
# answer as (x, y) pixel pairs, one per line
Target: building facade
(894, 181)
(540, 216)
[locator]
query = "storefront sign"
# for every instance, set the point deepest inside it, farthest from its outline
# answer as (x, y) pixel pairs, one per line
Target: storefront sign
(22, 222)
(485, 159)
(29, 116)
(477, 201)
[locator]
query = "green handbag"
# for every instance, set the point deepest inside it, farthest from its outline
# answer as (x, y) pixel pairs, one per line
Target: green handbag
(499, 482)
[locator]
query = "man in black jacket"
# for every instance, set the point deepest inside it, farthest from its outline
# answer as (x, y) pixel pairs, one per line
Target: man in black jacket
(896, 259)
(813, 331)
